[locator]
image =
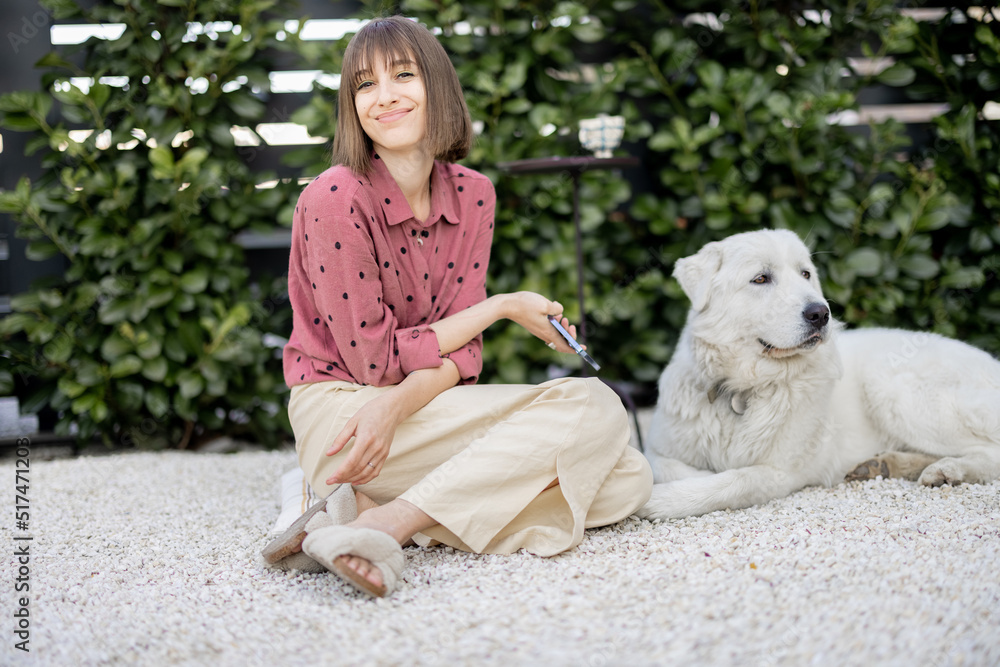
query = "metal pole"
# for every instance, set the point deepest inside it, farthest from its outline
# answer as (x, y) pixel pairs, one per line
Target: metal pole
(581, 330)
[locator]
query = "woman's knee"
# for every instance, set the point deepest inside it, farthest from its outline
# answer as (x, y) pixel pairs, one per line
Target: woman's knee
(605, 407)
(594, 414)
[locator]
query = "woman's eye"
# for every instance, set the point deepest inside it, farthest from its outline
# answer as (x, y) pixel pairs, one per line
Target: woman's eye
(806, 274)
(365, 84)
(404, 75)
(761, 279)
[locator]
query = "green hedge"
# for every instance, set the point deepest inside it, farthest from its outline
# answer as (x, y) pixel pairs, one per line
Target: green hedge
(153, 336)
(730, 119)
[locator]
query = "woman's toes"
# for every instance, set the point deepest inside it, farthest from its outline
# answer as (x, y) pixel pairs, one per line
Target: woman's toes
(363, 568)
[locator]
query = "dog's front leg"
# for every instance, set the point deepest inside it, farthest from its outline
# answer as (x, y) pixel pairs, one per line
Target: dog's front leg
(671, 470)
(730, 489)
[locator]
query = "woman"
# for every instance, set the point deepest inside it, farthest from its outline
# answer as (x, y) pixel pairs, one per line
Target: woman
(387, 279)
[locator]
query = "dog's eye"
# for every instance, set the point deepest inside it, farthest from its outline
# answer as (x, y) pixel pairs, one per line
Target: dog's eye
(806, 274)
(762, 279)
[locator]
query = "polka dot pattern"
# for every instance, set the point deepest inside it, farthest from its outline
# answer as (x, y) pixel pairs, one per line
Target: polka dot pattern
(365, 275)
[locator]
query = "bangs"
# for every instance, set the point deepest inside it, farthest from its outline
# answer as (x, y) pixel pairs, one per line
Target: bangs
(385, 44)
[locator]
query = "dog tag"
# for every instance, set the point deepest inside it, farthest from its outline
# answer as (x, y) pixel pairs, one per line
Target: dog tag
(739, 404)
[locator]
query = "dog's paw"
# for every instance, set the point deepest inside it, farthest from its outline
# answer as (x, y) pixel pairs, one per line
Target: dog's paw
(870, 469)
(945, 471)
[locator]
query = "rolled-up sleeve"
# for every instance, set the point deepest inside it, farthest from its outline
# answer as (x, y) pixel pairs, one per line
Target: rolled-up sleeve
(418, 348)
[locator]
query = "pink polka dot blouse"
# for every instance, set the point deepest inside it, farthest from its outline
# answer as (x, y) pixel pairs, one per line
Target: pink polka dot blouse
(365, 278)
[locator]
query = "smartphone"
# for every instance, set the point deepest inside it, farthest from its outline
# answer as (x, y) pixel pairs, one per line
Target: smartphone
(573, 344)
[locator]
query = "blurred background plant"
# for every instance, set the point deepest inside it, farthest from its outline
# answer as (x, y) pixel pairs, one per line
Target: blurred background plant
(747, 115)
(153, 335)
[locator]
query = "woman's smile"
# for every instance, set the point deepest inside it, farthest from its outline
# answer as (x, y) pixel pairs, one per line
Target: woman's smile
(392, 116)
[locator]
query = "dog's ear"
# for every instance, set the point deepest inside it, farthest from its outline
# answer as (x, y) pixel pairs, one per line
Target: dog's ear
(695, 273)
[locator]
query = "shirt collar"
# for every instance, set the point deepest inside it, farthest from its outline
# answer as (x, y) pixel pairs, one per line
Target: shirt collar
(396, 210)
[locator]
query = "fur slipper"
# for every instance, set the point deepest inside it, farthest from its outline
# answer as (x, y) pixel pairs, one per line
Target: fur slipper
(326, 545)
(338, 508)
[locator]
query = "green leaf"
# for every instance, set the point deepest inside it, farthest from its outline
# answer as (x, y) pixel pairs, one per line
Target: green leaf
(155, 369)
(965, 277)
(663, 41)
(149, 348)
(157, 401)
(114, 310)
(114, 347)
(54, 60)
(191, 162)
(39, 251)
(127, 365)
(99, 411)
(865, 262)
(162, 159)
(588, 33)
(130, 395)
(26, 302)
(69, 388)
(195, 281)
(160, 295)
(89, 373)
(517, 106)
(899, 74)
(712, 75)
(16, 323)
(84, 403)
(191, 384)
(922, 267)
(245, 106)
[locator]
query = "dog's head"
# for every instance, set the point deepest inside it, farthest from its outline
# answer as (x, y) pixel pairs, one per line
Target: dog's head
(756, 294)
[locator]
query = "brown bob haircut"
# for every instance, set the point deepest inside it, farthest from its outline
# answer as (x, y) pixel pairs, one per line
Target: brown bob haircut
(449, 127)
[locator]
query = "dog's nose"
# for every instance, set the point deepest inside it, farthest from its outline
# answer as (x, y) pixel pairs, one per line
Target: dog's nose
(816, 314)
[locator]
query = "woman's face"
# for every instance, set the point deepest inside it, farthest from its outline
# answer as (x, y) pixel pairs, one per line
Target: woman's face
(390, 100)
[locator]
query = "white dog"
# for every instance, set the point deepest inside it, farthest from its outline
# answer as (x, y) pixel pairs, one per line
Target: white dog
(764, 395)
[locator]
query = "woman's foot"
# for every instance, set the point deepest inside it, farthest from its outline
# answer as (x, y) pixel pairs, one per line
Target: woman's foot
(364, 504)
(398, 519)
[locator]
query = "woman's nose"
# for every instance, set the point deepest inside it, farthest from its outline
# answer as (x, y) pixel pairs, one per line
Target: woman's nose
(387, 94)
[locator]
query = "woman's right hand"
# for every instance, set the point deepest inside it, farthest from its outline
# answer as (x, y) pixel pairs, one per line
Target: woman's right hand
(373, 428)
(531, 311)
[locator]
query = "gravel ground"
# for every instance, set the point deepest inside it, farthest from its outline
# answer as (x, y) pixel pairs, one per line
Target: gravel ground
(152, 559)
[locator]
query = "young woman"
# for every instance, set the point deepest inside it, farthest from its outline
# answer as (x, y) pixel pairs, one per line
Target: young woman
(387, 279)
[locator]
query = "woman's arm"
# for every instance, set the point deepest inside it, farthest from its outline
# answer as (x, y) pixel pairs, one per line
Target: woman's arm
(374, 425)
(528, 309)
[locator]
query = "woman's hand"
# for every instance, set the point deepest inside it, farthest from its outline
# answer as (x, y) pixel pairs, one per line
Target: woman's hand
(372, 427)
(531, 311)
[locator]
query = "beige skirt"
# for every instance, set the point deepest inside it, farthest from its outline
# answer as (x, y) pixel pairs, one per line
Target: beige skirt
(478, 459)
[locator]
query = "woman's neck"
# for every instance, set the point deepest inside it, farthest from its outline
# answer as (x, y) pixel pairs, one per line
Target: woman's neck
(412, 173)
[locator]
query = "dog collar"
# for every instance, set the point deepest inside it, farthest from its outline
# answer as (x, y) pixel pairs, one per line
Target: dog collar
(737, 402)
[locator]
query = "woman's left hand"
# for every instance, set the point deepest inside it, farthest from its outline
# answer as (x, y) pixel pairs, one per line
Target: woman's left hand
(531, 311)
(372, 427)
